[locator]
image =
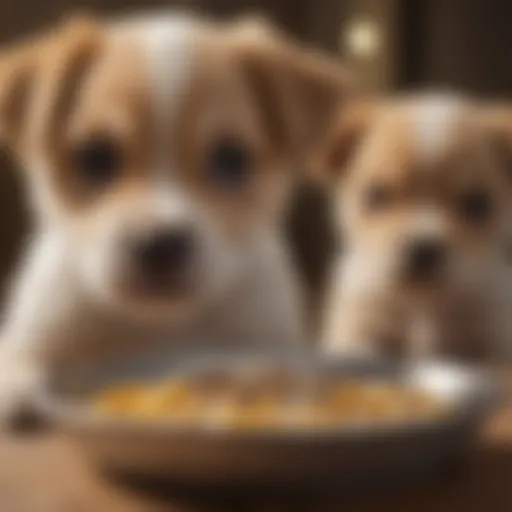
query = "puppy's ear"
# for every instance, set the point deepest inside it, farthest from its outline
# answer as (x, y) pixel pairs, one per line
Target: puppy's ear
(296, 89)
(342, 140)
(17, 69)
(38, 77)
(497, 123)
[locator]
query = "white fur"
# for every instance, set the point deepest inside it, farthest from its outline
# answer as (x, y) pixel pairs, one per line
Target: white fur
(428, 222)
(359, 316)
(170, 48)
(368, 302)
(168, 42)
(433, 123)
(55, 316)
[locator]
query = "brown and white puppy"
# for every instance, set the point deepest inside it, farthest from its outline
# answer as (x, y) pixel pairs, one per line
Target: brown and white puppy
(158, 153)
(422, 189)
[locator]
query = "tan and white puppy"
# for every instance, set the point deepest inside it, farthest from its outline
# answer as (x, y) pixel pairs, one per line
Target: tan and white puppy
(423, 200)
(159, 153)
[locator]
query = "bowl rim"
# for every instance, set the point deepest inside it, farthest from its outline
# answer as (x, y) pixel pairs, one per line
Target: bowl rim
(482, 395)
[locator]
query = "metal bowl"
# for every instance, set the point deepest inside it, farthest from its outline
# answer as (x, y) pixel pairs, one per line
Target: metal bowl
(344, 458)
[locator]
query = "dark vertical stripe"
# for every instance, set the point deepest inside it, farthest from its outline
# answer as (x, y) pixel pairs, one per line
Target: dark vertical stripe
(412, 40)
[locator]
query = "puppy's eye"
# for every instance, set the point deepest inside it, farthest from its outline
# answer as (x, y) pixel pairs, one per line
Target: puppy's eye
(97, 161)
(229, 164)
(476, 206)
(378, 197)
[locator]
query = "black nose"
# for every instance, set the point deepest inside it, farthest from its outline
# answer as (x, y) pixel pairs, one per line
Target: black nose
(163, 250)
(425, 257)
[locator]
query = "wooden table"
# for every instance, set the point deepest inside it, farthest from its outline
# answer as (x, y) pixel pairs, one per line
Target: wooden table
(44, 473)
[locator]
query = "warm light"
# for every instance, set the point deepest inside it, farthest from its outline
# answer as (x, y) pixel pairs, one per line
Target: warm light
(362, 38)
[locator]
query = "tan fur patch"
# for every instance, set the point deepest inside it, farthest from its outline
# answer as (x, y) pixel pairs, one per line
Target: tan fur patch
(247, 83)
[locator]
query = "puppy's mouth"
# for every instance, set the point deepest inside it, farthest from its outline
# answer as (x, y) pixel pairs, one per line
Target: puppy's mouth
(425, 290)
(426, 286)
(169, 287)
(433, 279)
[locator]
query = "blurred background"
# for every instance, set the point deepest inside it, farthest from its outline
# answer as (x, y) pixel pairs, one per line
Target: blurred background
(392, 45)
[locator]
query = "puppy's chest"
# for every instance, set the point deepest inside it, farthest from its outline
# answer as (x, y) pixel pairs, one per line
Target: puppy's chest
(261, 309)
(467, 327)
(102, 336)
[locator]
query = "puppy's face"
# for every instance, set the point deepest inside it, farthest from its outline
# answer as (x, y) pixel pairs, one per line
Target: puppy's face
(423, 192)
(159, 151)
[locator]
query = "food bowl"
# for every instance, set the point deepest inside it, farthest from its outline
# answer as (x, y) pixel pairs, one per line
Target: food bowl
(344, 458)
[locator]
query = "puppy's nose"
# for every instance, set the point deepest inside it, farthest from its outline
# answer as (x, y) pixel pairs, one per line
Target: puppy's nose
(163, 250)
(425, 257)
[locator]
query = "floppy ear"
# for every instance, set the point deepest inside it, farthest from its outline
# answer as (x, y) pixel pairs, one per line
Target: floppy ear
(17, 68)
(297, 90)
(38, 77)
(341, 142)
(497, 122)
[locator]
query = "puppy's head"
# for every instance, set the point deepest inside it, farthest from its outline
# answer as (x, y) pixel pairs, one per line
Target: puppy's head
(424, 189)
(158, 150)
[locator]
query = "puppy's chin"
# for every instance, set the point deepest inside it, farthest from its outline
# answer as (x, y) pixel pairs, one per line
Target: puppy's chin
(155, 311)
(157, 301)
(422, 288)
(149, 303)
(423, 292)
(120, 289)
(127, 295)
(425, 285)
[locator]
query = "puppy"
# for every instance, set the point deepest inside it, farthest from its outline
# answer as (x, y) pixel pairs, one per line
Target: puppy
(159, 152)
(422, 190)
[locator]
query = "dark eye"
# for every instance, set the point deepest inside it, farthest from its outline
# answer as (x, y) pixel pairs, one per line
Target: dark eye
(378, 197)
(476, 206)
(98, 161)
(230, 164)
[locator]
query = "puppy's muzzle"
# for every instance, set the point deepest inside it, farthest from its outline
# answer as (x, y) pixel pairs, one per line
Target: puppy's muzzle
(161, 258)
(163, 250)
(424, 259)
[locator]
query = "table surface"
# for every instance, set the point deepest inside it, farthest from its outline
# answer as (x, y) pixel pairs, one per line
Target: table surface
(44, 473)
